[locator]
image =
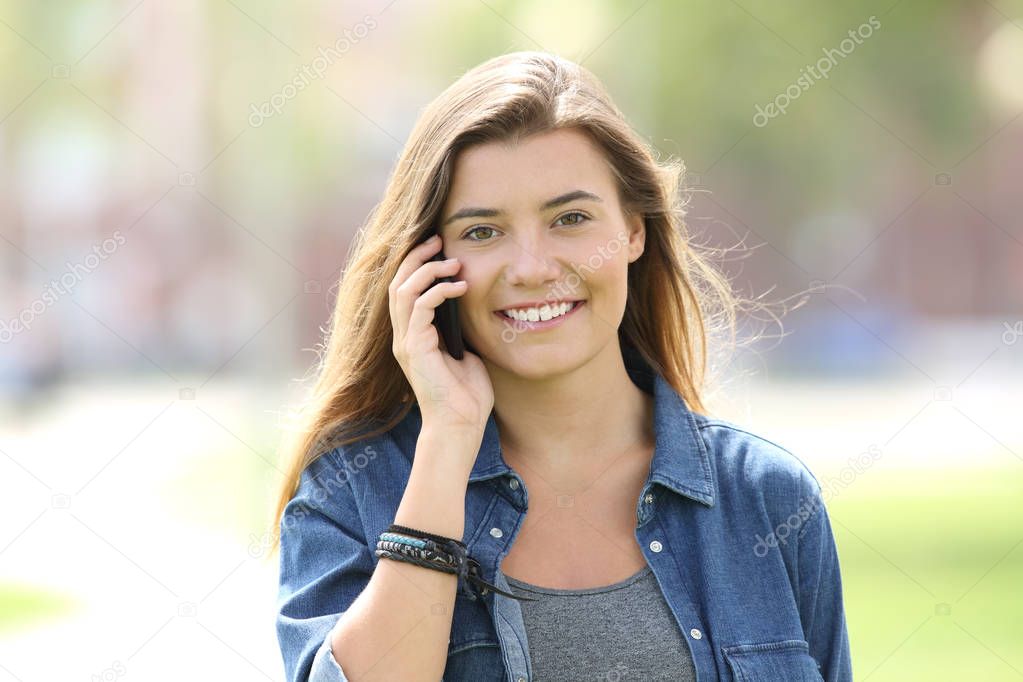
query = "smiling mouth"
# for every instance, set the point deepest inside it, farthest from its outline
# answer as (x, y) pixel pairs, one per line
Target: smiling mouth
(540, 316)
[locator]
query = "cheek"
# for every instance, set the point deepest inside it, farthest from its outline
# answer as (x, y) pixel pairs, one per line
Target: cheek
(475, 298)
(611, 272)
(611, 294)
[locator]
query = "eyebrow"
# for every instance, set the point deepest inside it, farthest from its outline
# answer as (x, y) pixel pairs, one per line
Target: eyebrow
(473, 212)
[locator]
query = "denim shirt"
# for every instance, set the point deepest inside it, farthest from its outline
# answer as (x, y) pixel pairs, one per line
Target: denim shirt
(732, 525)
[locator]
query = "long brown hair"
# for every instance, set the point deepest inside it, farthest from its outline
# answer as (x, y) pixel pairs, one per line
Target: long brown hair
(676, 299)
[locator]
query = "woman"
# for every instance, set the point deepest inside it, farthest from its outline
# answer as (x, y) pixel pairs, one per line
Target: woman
(619, 532)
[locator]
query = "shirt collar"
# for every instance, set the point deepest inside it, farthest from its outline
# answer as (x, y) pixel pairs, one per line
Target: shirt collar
(680, 461)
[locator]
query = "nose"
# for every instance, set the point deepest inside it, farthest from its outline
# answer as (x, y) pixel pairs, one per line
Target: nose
(530, 267)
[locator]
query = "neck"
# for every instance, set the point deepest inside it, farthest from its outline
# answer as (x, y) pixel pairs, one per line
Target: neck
(575, 423)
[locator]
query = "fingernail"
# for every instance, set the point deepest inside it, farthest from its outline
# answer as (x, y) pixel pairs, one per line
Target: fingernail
(433, 238)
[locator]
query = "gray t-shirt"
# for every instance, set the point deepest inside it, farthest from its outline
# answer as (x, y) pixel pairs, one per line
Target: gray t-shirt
(616, 633)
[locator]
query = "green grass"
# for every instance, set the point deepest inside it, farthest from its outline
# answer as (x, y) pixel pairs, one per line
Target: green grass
(911, 542)
(26, 606)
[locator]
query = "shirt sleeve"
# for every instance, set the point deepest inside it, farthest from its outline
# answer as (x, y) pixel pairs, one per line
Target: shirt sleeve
(821, 606)
(325, 667)
(325, 563)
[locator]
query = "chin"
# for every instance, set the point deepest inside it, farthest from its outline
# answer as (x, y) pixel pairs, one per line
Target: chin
(542, 361)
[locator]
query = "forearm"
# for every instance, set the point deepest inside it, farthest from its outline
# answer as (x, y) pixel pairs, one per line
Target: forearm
(399, 626)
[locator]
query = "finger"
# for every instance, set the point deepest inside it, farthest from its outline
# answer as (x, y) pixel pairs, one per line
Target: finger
(418, 282)
(426, 305)
(419, 254)
(412, 261)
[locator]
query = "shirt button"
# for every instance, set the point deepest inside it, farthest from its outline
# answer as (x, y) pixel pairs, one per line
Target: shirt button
(520, 679)
(496, 532)
(649, 498)
(696, 634)
(514, 485)
(655, 546)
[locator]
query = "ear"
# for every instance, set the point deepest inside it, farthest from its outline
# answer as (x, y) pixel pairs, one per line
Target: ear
(637, 235)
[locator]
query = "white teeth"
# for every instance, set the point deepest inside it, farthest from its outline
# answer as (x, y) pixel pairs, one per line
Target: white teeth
(544, 312)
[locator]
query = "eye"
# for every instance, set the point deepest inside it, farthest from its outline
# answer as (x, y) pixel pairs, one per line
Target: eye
(473, 229)
(579, 219)
(582, 217)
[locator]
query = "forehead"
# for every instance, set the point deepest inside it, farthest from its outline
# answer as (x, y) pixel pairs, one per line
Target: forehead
(536, 168)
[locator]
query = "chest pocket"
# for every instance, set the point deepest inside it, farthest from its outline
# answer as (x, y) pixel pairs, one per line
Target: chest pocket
(784, 661)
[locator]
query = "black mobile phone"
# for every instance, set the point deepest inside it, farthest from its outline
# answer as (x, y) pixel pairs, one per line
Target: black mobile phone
(445, 318)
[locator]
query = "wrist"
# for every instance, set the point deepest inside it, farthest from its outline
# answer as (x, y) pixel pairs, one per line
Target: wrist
(447, 455)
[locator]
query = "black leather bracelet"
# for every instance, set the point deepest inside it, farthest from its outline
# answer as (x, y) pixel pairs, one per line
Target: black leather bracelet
(468, 569)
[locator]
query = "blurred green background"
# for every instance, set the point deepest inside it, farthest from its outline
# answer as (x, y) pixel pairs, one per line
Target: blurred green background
(176, 212)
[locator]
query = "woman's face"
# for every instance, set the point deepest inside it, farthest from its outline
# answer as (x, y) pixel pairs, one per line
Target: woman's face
(539, 222)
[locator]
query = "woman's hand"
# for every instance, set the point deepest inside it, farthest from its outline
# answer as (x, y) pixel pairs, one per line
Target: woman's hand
(452, 394)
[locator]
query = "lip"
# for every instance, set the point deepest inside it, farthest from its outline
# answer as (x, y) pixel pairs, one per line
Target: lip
(519, 325)
(539, 304)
